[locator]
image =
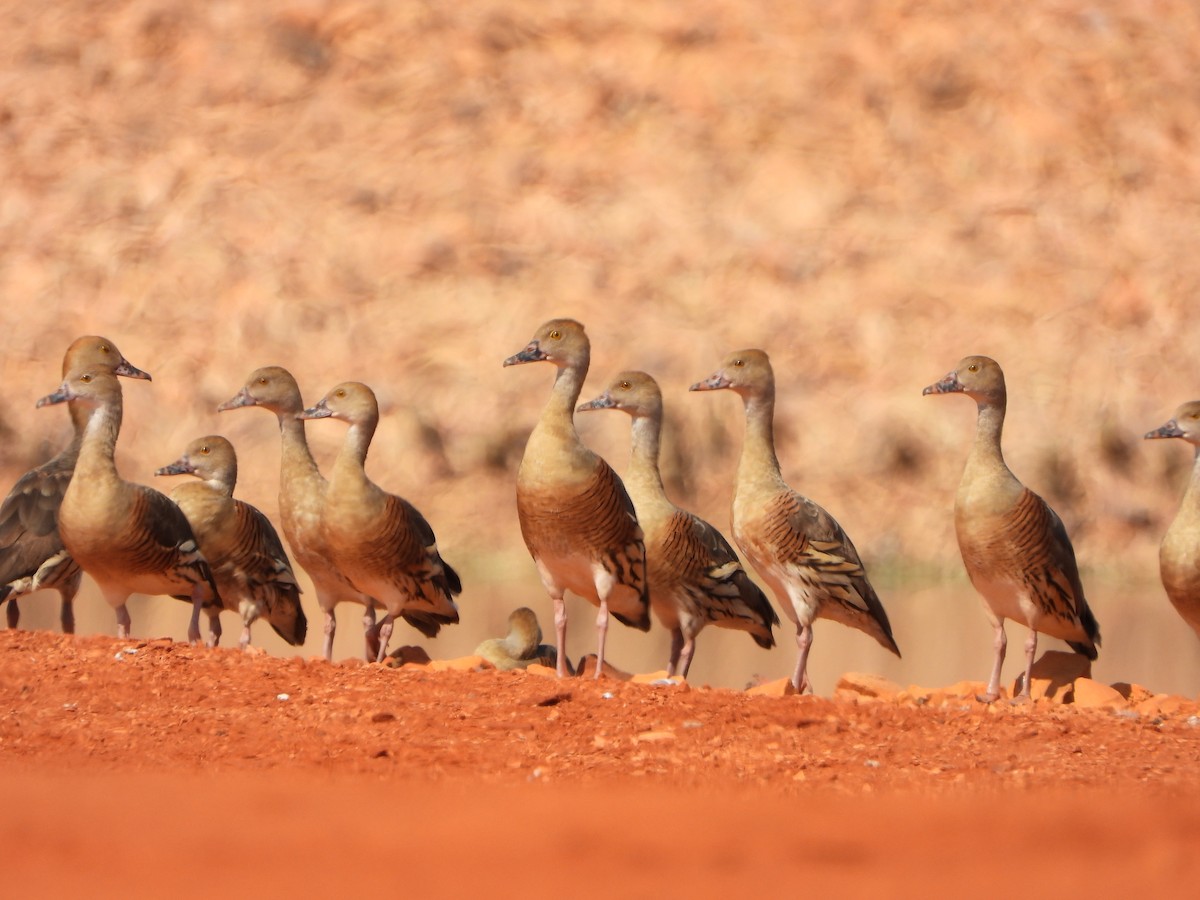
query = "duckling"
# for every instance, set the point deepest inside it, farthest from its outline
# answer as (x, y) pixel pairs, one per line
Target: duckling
(521, 646)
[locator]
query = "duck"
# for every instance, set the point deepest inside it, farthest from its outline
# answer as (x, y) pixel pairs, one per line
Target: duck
(576, 517)
(521, 647)
(32, 556)
(128, 537)
(1179, 553)
(1014, 547)
(795, 545)
(248, 562)
(379, 541)
(302, 490)
(695, 576)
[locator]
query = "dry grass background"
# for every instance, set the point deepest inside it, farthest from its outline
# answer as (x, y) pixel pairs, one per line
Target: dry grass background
(400, 194)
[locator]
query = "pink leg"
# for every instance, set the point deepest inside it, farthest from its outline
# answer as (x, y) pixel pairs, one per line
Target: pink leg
(560, 634)
(124, 622)
(67, 614)
(601, 636)
(244, 640)
(685, 658)
(804, 637)
(385, 634)
(1030, 652)
(330, 631)
(371, 636)
(1001, 644)
(676, 651)
(214, 629)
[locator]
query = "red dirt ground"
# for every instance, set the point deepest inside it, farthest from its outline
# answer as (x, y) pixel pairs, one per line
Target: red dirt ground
(138, 767)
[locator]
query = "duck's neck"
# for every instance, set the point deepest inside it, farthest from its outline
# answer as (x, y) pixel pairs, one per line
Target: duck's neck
(985, 452)
(558, 416)
(1189, 507)
(644, 478)
(98, 447)
(296, 457)
(348, 469)
(758, 462)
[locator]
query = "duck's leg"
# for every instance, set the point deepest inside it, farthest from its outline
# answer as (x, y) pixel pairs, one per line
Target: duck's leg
(214, 629)
(676, 650)
(1031, 643)
(601, 635)
(385, 633)
(1000, 645)
(804, 638)
(330, 631)
(12, 612)
(124, 622)
(371, 635)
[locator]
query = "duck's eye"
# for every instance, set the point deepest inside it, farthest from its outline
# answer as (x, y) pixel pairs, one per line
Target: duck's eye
(555, 335)
(86, 379)
(738, 363)
(262, 379)
(973, 367)
(103, 348)
(340, 393)
(625, 385)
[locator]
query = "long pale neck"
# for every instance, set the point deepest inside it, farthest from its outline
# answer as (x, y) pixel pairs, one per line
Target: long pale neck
(97, 451)
(296, 458)
(758, 462)
(644, 478)
(1189, 507)
(985, 452)
(558, 416)
(348, 469)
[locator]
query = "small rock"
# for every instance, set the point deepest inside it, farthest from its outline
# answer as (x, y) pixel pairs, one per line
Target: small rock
(461, 664)
(409, 655)
(1134, 693)
(660, 679)
(1054, 673)
(1091, 694)
(654, 737)
(587, 669)
(282, 697)
(873, 687)
(1165, 705)
(780, 687)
